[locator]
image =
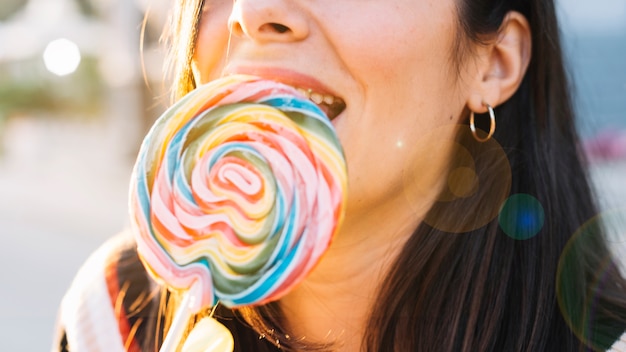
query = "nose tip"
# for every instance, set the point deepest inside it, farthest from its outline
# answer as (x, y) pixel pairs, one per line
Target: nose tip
(269, 20)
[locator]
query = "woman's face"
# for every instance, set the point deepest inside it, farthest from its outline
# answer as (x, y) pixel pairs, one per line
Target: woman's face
(387, 66)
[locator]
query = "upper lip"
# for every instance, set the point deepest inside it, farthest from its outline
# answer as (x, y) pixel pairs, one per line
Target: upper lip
(286, 76)
(325, 98)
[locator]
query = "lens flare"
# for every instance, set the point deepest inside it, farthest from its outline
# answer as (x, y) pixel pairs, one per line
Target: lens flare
(583, 302)
(521, 216)
(477, 178)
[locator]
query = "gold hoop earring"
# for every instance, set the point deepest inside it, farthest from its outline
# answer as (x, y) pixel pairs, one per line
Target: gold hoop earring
(492, 124)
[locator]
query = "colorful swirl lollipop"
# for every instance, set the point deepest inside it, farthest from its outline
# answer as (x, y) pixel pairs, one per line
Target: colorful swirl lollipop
(237, 191)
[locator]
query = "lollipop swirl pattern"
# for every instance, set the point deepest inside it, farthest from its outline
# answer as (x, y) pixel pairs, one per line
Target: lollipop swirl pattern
(240, 187)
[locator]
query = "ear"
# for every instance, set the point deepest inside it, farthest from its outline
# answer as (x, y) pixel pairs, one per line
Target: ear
(502, 64)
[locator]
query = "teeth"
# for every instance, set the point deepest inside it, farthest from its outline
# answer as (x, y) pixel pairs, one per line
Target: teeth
(315, 97)
(305, 92)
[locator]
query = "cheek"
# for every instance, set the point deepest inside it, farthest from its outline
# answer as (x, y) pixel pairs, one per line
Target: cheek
(212, 44)
(408, 91)
(395, 42)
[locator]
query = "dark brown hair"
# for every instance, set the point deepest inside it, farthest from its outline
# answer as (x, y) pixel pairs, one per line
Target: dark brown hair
(472, 287)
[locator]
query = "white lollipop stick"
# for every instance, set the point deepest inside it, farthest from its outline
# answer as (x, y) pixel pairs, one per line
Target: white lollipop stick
(187, 309)
(207, 336)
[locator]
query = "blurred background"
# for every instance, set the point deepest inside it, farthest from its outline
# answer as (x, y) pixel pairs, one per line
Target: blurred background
(77, 95)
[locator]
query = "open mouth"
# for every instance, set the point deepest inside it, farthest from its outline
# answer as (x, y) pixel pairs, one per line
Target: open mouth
(331, 105)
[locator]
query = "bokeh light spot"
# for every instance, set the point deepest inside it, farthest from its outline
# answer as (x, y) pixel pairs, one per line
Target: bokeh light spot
(462, 181)
(587, 274)
(477, 178)
(521, 216)
(61, 57)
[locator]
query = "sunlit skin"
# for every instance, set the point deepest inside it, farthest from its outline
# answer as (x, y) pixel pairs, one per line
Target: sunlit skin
(392, 63)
